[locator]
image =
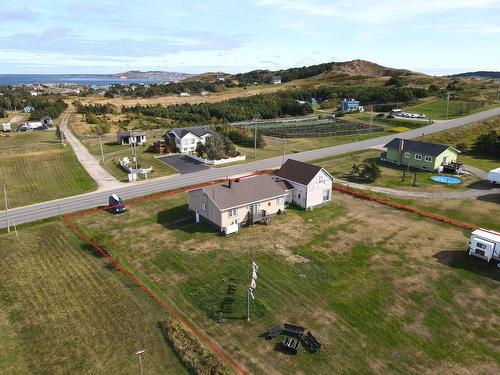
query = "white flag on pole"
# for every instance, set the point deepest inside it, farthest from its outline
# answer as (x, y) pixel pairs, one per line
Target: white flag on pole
(254, 275)
(253, 285)
(251, 293)
(255, 266)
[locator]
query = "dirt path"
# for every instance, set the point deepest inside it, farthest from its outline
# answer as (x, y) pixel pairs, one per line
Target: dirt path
(480, 189)
(103, 178)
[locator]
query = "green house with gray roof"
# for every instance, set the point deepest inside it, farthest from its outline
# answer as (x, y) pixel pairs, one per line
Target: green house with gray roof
(421, 155)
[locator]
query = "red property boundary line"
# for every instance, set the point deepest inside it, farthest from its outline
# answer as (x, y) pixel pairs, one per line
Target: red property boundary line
(201, 336)
(405, 207)
(88, 240)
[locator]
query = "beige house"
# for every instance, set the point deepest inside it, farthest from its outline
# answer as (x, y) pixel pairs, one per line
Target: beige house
(307, 185)
(238, 202)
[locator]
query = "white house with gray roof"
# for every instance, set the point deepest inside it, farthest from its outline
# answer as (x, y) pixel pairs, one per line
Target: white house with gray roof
(186, 139)
(238, 202)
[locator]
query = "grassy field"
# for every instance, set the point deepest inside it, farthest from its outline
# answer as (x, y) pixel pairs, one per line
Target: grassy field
(114, 151)
(36, 168)
(436, 108)
(390, 174)
(466, 136)
(399, 298)
(64, 310)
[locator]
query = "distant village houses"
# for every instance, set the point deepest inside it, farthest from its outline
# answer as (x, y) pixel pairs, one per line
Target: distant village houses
(275, 80)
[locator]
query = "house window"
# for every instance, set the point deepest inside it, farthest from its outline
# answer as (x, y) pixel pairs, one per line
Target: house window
(193, 141)
(326, 195)
(321, 179)
(481, 246)
(428, 159)
(203, 206)
(279, 201)
(233, 212)
(268, 204)
(254, 208)
(407, 155)
(298, 195)
(418, 157)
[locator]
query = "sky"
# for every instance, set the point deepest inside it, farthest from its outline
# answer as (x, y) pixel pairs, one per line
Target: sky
(432, 36)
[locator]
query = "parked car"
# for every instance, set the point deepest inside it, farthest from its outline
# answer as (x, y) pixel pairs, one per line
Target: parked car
(116, 204)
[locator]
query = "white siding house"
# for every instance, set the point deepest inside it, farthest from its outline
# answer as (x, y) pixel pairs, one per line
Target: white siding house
(186, 139)
(311, 184)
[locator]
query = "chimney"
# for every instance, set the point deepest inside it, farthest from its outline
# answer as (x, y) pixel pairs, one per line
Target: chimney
(400, 150)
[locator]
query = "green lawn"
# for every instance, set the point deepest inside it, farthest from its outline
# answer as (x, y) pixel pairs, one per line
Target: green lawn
(391, 175)
(274, 146)
(35, 168)
(436, 108)
(114, 151)
(384, 291)
(64, 310)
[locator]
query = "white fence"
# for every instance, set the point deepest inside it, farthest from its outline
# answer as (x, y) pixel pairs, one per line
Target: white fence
(217, 162)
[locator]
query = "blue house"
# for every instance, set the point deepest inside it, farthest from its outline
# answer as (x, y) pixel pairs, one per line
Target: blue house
(349, 105)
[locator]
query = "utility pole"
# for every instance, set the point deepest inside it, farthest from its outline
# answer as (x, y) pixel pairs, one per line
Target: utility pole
(102, 152)
(139, 355)
(6, 207)
(447, 103)
(255, 141)
(284, 150)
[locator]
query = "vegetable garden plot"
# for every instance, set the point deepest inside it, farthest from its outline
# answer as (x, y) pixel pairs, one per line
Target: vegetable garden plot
(318, 128)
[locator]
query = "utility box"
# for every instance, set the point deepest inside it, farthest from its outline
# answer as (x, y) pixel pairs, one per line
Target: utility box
(485, 244)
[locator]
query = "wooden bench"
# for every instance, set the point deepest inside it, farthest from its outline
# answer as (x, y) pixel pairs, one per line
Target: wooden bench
(312, 342)
(273, 332)
(291, 345)
(293, 329)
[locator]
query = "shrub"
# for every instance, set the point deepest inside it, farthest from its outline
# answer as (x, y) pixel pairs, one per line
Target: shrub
(197, 358)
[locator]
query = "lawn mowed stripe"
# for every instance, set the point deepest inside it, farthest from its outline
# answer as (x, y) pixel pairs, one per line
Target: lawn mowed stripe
(70, 313)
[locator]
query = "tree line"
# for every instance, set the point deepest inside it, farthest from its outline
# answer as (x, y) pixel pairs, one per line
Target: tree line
(264, 76)
(147, 91)
(267, 106)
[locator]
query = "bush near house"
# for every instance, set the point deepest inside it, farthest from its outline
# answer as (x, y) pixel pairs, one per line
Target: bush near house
(216, 148)
(488, 144)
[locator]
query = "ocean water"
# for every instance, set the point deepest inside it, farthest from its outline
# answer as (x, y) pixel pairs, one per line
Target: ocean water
(80, 79)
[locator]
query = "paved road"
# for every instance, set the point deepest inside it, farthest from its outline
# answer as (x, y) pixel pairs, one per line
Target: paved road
(141, 188)
(103, 178)
(183, 164)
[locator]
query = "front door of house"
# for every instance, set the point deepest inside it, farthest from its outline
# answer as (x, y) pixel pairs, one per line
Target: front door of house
(254, 208)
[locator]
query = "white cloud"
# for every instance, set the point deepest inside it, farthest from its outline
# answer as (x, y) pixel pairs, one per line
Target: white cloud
(373, 12)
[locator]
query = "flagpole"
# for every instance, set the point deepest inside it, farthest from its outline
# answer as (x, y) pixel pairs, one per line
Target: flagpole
(248, 305)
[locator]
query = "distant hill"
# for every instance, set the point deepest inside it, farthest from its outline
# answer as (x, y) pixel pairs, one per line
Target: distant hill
(350, 68)
(479, 74)
(154, 74)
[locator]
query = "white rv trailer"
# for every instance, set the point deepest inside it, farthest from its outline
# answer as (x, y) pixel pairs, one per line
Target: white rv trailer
(6, 127)
(494, 176)
(485, 244)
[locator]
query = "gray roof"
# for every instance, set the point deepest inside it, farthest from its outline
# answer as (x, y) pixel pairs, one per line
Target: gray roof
(246, 191)
(198, 131)
(431, 149)
(128, 133)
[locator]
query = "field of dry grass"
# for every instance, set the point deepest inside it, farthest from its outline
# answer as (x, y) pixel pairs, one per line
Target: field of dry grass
(384, 290)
